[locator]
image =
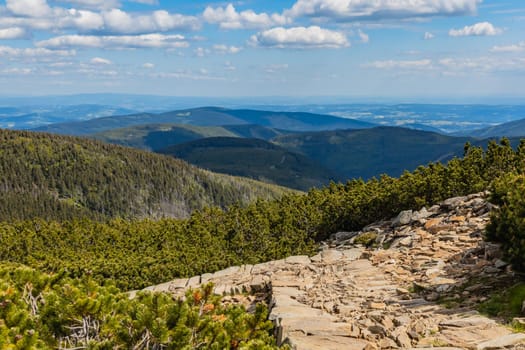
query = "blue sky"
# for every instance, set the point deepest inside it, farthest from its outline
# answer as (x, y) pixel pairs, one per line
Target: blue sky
(352, 48)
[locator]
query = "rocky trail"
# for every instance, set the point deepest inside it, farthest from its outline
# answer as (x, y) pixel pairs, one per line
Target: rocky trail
(410, 282)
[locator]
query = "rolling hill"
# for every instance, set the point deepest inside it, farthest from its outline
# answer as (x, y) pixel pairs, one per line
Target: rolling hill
(253, 158)
(371, 152)
(159, 136)
(511, 129)
(61, 177)
(211, 116)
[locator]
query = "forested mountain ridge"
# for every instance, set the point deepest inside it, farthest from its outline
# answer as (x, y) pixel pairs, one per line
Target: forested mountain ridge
(253, 158)
(514, 128)
(61, 177)
(371, 152)
(211, 116)
(159, 136)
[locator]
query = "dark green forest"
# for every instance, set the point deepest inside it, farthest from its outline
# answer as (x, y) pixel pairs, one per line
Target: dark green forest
(60, 177)
(74, 269)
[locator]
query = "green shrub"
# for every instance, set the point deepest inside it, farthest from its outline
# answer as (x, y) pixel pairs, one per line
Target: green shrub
(41, 311)
(507, 225)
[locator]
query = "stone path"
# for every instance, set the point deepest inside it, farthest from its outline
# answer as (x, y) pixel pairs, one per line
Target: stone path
(390, 295)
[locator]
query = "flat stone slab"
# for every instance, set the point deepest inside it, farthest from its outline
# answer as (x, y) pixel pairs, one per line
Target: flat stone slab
(502, 342)
(299, 259)
(301, 341)
(320, 325)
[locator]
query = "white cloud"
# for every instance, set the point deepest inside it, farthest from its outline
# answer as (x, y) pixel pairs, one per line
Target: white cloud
(300, 37)
(402, 64)
(93, 4)
(115, 42)
(428, 36)
(520, 47)
(275, 68)
(478, 29)
(188, 75)
(147, 2)
(201, 52)
(347, 10)
(82, 20)
(452, 66)
(226, 49)
(363, 36)
(7, 51)
(482, 64)
(229, 66)
(30, 8)
(148, 65)
(12, 33)
(228, 18)
(100, 61)
(16, 71)
(121, 22)
(110, 21)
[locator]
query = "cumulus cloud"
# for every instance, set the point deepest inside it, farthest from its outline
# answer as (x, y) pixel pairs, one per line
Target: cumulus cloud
(347, 10)
(452, 65)
(7, 51)
(93, 4)
(275, 68)
(226, 49)
(363, 36)
(40, 16)
(121, 22)
(300, 37)
(478, 29)
(402, 64)
(29, 8)
(228, 18)
(481, 64)
(520, 47)
(428, 36)
(115, 42)
(12, 33)
(16, 71)
(100, 61)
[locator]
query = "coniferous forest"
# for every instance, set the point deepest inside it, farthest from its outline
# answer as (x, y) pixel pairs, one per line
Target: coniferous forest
(70, 251)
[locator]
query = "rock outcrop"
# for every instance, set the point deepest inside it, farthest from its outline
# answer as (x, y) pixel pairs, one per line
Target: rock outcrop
(416, 285)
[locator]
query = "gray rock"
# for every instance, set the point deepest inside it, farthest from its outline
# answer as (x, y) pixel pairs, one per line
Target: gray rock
(500, 264)
(454, 202)
(403, 218)
(422, 214)
(344, 236)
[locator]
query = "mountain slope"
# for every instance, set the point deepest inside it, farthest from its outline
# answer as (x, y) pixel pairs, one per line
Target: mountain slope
(253, 158)
(52, 176)
(211, 116)
(511, 129)
(159, 136)
(371, 152)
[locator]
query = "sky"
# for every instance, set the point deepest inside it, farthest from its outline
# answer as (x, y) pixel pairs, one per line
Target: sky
(349, 48)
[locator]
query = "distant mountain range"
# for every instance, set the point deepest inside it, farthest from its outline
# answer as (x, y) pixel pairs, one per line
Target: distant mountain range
(212, 116)
(293, 149)
(511, 129)
(29, 117)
